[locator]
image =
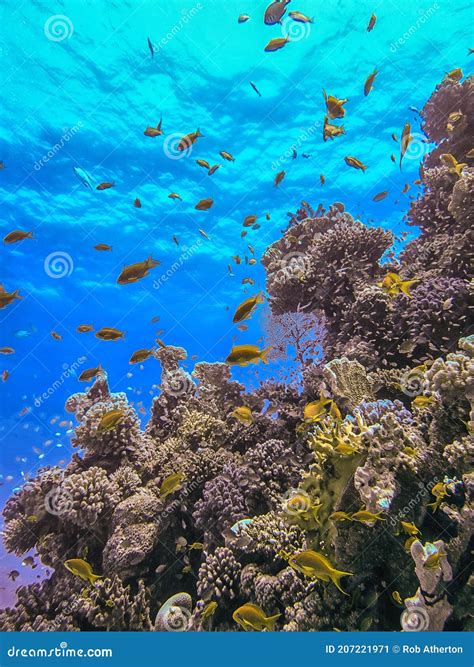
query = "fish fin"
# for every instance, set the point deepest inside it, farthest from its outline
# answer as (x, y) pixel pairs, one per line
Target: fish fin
(270, 622)
(336, 576)
(405, 287)
(93, 578)
(264, 353)
(198, 133)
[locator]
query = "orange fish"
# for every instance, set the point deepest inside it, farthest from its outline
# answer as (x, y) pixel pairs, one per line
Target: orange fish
(154, 131)
(102, 246)
(322, 178)
(7, 350)
(134, 272)
(5, 375)
(204, 204)
(370, 82)
(188, 140)
(84, 328)
(105, 186)
(175, 195)
(380, 195)
(276, 44)
(371, 24)
(279, 177)
(137, 203)
(213, 169)
(109, 333)
(7, 297)
(203, 163)
(17, 235)
(249, 220)
(55, 335)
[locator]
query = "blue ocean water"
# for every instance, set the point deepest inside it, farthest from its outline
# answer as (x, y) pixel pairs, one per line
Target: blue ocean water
(80, 85)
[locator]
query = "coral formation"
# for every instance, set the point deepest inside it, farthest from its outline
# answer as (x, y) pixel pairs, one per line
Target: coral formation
(379, 480)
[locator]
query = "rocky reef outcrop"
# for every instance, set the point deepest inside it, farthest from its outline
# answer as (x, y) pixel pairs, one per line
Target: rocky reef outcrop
(199, 513)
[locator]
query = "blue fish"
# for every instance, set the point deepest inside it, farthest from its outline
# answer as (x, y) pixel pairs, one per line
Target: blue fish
(84, 177)
(24, 333)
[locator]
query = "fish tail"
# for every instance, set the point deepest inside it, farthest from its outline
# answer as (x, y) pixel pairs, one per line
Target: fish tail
(16, 294)
(336, 576)
(93, 578)
(270, 621)
(264, 353)
(198, 133)
(405, 287)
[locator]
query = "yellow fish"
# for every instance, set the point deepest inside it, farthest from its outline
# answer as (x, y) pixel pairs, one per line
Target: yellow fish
(110, 420)
(423, 401)
(209, 609)
(397, 597)
(432, 562)
(227, 156)
(405, 141)
(454, 74)
(334, 106)
(204, 204)
(175, 195)
(243, 414)
(315, 565)
(203, 163)
(82, 569)
(246, 308)
(369, 518)
(330, 131)
(84, 328)
(249, 616)
(450, 161)
(171, 484)
(243, 355)
(392, 284)
(340, 516)
(409, 528)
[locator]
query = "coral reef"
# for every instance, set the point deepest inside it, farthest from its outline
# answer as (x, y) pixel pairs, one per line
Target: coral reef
(377, 481)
